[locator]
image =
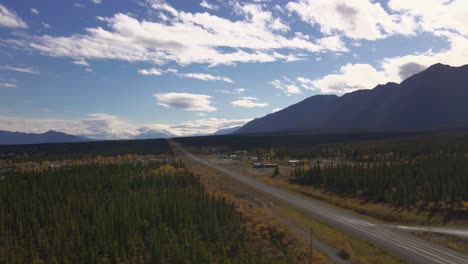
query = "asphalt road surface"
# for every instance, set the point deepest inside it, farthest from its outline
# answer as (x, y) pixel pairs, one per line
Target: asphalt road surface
(392, 240)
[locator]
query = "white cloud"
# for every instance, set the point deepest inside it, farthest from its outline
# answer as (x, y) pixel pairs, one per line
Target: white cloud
(240, 90)
(206, 77)
(89, 70)
(171, 70)
(357, 19)
(19, 69)
(187, 38)
(156, 71)
(400, 67)
(223, 91)
(8, 85)
(151, 71)
(8, 18)
(97, 1)
(287, 86)
(34, 11)
(106, 126)
(82, 62)
(205, 4)
(78, 5)
(185, 101)
(44, 24)
(435, 15)
(205, 126)
(276, 110)
(306, 83)
(350, 77)
(248, 102)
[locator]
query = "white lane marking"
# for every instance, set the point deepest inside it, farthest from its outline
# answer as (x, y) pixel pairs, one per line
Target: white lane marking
(449, 231)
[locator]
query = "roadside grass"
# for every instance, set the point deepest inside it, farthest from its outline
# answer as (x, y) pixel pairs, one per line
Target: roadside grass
(354, 249)
(455, 243)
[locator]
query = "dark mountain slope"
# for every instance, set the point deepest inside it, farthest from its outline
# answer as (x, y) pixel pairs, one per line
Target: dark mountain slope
(15, 138)
(302, 115)
(434, 99)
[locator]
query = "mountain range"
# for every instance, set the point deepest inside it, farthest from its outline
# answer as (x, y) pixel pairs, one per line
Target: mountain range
(434, 99)
(13, 138)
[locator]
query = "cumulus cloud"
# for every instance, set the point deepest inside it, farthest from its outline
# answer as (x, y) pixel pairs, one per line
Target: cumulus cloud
(185, 101)
(106, 126)
(248, 102)
(357, 19)
(206, 77)
(435, 15)
(187, 38)
(349, 78)
(408, 69)
(286, 85)
(19, 69)
(8, 18)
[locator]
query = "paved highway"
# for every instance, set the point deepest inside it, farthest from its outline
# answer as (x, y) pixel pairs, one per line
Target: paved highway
(392, 240)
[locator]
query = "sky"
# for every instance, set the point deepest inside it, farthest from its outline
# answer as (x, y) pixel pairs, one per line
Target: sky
(114, 69)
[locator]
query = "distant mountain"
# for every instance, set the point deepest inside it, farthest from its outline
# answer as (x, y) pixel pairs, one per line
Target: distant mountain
(153, 133)
(434, 99)
(226, 131)
(15, 138)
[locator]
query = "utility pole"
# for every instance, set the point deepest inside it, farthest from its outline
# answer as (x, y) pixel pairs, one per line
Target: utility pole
(311, 247)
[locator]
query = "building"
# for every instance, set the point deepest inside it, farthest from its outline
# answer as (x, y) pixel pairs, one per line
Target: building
(263, 165)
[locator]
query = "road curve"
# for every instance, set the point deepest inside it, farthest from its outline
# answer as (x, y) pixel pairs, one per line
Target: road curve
(395, 242)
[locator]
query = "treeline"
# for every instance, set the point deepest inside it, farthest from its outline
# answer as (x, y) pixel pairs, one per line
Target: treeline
(83, 150)
(157, 213)
(293, 144)
(438, 180)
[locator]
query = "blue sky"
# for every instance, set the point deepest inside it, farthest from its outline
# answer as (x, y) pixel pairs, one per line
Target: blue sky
(114, 69)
